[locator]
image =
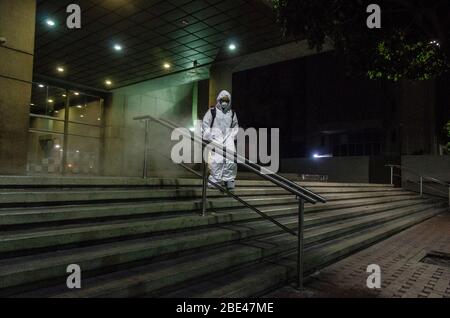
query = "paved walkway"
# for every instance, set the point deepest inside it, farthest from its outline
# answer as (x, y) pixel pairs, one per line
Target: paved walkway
(404, 273)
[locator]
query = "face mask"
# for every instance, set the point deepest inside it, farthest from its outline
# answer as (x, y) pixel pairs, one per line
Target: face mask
(224, 104)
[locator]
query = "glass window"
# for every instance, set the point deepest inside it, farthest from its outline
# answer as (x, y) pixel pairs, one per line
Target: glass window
(47, 133)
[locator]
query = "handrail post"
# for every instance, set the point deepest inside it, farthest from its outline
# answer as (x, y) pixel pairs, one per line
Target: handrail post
(204, 188)
(300, 243)
(392, 175)
(449, 196)
(421, 186)
(147, 124)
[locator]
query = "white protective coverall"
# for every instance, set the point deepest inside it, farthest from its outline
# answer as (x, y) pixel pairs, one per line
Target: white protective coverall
(223, 132)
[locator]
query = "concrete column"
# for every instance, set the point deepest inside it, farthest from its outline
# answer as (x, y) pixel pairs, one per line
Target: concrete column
(417, 104)
(194, 102)
(221, 78)
(17, 25)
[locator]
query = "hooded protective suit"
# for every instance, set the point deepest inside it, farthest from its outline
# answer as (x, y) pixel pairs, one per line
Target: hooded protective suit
(223, 132)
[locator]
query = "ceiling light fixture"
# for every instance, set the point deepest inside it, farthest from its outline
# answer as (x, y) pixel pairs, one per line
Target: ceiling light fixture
(232, 47)
(50, 101)
(60, 69)
(108, 82)
(41, 86)
(118, 47)
(166, 66)
(79, 106)
(50, 22)
(76, 93)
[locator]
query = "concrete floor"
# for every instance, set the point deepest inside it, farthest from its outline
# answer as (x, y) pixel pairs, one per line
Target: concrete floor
(403, 271)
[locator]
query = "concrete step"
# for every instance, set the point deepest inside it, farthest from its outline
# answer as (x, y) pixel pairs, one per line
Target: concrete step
(100, 212)
(28, 269)
(45, 237)
(51, 190)
(18, 197)
(69, 197)
(79, 181)
(159, 277)
(259, 279)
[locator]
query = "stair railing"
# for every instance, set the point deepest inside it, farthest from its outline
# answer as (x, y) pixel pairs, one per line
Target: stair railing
(421, 180)
(302, 194)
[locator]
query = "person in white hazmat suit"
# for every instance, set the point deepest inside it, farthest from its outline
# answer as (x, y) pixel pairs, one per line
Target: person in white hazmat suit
(220, 125)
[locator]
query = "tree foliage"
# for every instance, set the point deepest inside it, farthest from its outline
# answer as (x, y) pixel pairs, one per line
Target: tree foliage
(412, 43)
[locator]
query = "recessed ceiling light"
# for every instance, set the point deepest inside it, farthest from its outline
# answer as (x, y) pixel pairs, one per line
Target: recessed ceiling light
(81, 116)
(76, 93)
(232, 47)
(166, 66)
(50, 100)
(31, 104)
(57, 146)
(41, 86)
(60, 69)
(118, 47)
(108, 82)
(64, 95)
(79, 106)
(50, 22)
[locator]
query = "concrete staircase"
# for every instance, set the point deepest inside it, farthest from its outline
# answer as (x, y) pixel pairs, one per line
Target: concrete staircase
(145, 238)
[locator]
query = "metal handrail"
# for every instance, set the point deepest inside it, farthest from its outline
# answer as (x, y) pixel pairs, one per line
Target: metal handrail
(301, 193)
(428, 185)
(294, 185)
(278, 180)
(420, 176)
(236, 197)
(240, 159)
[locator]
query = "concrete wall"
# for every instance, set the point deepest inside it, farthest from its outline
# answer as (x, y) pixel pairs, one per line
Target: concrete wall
(362, 169)
(339, 169)
(17, 25)
(124, 137)
(417, 102)
(433, 166)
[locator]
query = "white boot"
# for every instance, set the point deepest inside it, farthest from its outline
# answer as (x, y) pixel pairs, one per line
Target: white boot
(231, 185)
